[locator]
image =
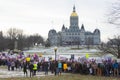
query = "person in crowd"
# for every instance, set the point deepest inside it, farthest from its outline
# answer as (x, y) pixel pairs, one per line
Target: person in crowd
(65, 67)
(38, 66)
(12, 65)
(115, 67)
(59, 68)
(69, 66)
(34, 68)
(84, 68)
(9, 64)
(46, 68)
(25, 68)
(52, 66)
(28, 59)
(17, 63)
(94, 67)
(107, 68)
(73, 67)
(90, 70)
(31, 69)
(100, 69)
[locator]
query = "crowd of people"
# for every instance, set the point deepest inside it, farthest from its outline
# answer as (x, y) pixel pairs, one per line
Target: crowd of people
(34, 63)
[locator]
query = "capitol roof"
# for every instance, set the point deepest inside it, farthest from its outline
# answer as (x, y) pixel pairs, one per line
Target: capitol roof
(74, 12)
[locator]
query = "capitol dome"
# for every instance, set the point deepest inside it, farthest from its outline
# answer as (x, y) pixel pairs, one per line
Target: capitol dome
(74, 12)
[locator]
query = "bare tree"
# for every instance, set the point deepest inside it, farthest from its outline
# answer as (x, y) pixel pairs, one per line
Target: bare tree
(14, 33)
(36, 38)
(2, 41)
(14, 38)
(114, 15)
(112, 47)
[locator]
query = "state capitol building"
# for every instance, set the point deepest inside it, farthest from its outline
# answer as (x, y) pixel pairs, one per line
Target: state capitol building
(74, 35)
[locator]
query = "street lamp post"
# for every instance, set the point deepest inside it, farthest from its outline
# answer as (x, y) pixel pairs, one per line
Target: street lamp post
(16, 44)
(55, 49)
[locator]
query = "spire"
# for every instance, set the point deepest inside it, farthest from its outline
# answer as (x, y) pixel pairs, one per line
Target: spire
(74, 14)
(82, 28)
(63, 28)
(74, 8)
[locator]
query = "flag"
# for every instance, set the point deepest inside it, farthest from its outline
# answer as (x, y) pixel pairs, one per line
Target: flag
(87, 55)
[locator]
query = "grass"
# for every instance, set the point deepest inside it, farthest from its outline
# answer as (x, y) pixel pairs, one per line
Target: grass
(65, 77)
(76, 48)
(2, 74)
(3, 67)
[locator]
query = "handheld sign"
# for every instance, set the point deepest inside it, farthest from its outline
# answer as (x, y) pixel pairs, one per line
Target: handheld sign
(87, 55)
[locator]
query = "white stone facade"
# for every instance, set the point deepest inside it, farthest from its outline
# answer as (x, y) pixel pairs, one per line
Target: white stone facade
(73, 35)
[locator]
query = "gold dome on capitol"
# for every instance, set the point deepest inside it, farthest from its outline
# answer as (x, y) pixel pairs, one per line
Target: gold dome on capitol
(74, 12)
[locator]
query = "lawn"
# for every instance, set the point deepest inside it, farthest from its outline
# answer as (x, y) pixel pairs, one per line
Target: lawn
(65, 77)
(3, 67)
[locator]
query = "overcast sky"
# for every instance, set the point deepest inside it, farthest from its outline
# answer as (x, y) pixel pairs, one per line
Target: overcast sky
(39, 16)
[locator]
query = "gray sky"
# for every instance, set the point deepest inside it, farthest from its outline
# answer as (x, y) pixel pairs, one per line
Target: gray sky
(39, 16)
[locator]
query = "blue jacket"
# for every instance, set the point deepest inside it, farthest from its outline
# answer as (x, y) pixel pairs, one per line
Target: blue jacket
(115, 65)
